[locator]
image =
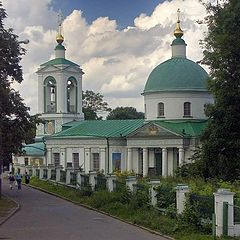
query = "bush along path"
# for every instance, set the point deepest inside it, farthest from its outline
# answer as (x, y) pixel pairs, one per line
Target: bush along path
(132, 207)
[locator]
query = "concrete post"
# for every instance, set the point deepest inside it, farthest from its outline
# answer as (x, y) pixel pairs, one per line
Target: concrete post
(58, 169)
(164, 163)
(68, 175)
(145, 162)
(130, 181)
(41, 171)
(153, 193)
(92, 180)
(110, 185)
(220, 197)
(78, 172)
(181, 191)
(50, 168)
(34, 170)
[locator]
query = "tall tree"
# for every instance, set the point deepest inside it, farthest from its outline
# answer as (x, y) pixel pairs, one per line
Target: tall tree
(125, 113)
(220, 152)
(94, 105)
(15, 121)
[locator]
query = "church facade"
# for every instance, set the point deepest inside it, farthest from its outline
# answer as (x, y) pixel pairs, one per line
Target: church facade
(174, 97)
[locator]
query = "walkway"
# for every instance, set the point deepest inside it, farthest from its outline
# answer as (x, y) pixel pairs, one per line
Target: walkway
(45, 217)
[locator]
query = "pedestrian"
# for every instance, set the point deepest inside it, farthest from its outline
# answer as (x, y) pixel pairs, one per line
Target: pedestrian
(11, 180)
(19, 180)
(27, 178)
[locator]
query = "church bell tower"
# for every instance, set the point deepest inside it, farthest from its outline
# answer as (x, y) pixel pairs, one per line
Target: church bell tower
(59, 90)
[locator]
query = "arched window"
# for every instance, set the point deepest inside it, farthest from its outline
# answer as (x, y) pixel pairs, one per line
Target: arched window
(72, 95)
(50, 91)
(160, 109)
(187, 109)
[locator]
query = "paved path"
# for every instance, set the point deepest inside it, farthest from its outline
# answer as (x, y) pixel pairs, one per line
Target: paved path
(43, 216)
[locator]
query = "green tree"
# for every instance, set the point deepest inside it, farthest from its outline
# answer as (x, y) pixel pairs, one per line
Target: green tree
(220, 152)
(15, 121)
(93, 105)
(125, 113)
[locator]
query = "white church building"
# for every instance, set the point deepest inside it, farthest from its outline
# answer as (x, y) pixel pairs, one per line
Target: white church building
(174, 97)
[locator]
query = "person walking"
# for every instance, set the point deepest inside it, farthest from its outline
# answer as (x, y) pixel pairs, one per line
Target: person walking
(27, 178)
(19, 180)
(11, 180)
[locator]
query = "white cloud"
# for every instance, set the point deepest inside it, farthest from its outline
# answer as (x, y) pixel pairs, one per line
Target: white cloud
(116, 62)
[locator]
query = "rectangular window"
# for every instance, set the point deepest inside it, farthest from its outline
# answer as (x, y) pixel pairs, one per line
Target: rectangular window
(75, 157)
(56, 159)
(96, 159)
(116, 161)
(26, 161)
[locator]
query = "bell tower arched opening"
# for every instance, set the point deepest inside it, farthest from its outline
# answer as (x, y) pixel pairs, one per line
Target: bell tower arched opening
(50, 91)
(71, 95)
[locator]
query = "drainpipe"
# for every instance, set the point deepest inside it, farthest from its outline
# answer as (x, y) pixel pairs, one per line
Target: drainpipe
(107, 154)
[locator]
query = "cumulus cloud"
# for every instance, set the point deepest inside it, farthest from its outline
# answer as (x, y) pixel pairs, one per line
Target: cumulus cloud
(116, 62)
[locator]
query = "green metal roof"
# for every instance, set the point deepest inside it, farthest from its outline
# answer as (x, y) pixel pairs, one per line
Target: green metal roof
(68, 125)
(102, 128)
(122, 128)
(192, 128)
(59, 61)
(34, 149)
(178, 41)
(177, 74)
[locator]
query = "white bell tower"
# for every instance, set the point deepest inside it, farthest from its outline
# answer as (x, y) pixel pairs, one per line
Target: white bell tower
(59, 91)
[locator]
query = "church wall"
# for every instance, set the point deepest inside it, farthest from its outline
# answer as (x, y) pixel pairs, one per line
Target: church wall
(173, 104)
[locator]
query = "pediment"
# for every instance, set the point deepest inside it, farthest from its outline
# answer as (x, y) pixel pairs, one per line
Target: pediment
(152, 130)
(52, 68)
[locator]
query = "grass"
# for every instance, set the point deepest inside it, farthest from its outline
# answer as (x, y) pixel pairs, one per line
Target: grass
(6, 206)
(119, 205)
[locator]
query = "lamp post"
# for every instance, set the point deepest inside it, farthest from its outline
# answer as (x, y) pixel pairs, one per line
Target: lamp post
(26, 41)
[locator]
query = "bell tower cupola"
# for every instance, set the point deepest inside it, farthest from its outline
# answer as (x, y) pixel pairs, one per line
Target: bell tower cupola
(59, 89)
(178, 45)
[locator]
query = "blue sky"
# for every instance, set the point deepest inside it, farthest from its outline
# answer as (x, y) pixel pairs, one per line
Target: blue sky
(124, 11)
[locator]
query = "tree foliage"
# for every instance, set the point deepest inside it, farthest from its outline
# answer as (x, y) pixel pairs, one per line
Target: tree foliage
(125, 113)
(15, 121)
(94, 105)
(220, 152)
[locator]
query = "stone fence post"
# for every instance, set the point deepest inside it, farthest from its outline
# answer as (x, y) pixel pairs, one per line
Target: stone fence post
(181, 191)
(50, 167)
(153, 193)
(92, 180)
(224, 197)
(58, 169)
(68, 174)
(130, 181)
(41, 171)
(110, 180)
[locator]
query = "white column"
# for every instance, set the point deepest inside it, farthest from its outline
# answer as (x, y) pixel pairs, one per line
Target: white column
(87, 164)
(103, 159)
(181, 156)
(40, 94)
(49, 156)
(221, 196)
(164, 162)
(129, 160)
(145, 162)
(79, 95)
(181, 191)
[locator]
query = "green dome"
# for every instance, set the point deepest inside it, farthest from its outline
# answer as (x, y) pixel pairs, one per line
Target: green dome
(177, 74)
